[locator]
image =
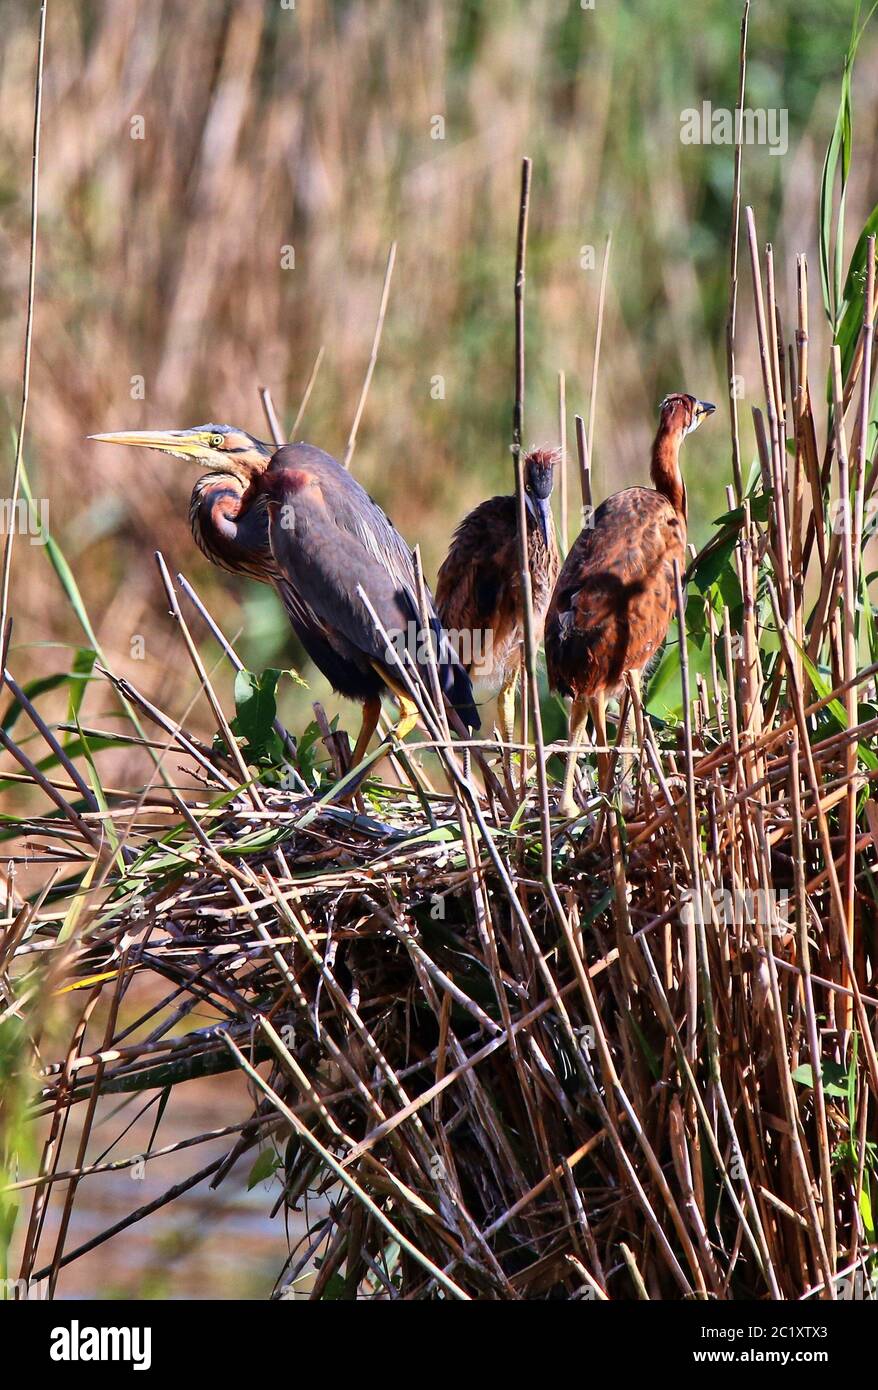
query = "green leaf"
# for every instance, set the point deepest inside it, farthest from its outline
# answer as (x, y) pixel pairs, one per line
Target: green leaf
(441, 834)
(835, 706)
(866, 1210)
(851, 312)
(664, 697)
(265, 1166)
(833, 1075)
(868, 617)
(336, 1289)
(759, 505)
(729, 586)
(256, 705)
(32, 690)
(823, 688)
(83, 665)
(716, 560)
(839, 149)
(61, 568)
(307, 749)
(100, 798)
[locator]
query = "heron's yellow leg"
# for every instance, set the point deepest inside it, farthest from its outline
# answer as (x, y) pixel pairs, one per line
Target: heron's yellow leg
(408, 710)
(629, 760)
(506, 707)
(371, 715)
(578, 713)
(408, 717)
(598, 708)
(506, 716)
(371, 712)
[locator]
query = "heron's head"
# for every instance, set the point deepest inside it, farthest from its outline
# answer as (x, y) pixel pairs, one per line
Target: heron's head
(680, 414)
(215, 448)
(539, 475)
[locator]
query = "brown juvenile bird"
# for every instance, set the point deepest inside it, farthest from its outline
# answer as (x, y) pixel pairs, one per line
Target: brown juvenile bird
(478, 588)
(615, 595)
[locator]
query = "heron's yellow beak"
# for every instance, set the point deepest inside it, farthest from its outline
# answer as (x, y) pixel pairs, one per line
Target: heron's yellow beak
(182, 444)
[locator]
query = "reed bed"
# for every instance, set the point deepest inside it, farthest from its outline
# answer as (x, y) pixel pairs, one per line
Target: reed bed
(517, 1074)
(632, 1057)
(628, 1057)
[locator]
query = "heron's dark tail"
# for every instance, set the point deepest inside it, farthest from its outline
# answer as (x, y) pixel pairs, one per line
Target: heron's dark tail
(456, 684)
(460, 697)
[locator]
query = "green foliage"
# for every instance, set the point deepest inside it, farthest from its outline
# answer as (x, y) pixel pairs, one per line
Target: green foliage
(256, 705)
(83, 665)
(256, 712)
(843, 305)
(832, 1074)
(266, 1165)
(16, 1134)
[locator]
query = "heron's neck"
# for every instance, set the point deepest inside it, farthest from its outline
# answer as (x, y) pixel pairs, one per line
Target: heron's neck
(225, 507)
(665, 469)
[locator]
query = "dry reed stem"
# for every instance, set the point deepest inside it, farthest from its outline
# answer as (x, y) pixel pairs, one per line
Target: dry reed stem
(373, 357)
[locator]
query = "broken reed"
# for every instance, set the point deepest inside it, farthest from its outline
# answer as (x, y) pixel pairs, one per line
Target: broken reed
(833, 633)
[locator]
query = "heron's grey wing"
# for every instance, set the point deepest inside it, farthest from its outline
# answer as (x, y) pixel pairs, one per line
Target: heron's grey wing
(323, 566)
(354, 511)
(369, 525)
(339, 539)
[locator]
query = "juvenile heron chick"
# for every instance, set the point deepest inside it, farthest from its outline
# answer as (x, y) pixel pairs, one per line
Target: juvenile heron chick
(615, 595)
(478, 588)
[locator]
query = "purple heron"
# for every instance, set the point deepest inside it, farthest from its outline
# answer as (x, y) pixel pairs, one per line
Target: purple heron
(338, 541)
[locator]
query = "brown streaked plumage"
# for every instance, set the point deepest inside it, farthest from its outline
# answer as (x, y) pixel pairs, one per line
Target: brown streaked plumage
(296, 519)
(478, 588)
(614, 598)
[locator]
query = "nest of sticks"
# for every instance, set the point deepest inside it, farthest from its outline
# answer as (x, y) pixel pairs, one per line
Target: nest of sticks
(597, 1071)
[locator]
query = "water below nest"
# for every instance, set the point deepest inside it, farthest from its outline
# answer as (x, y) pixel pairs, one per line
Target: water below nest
(205, 1244)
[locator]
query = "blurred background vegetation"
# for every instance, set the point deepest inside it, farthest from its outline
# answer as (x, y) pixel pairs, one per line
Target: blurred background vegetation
(164, 260)
(264, 127)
